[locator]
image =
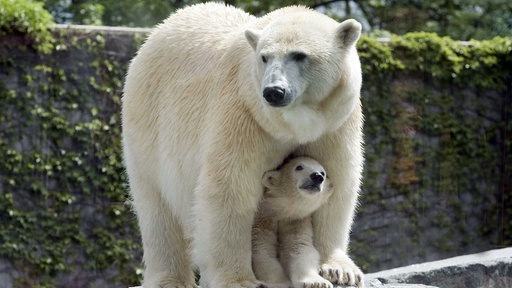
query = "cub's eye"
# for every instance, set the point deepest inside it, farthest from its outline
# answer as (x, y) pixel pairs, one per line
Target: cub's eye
(264, 59)
(299, 56)
(299, 168)
(322, 173)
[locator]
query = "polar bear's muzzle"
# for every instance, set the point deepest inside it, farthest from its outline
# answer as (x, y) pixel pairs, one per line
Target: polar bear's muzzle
(281, 83)
(276, 96)
(314, 183)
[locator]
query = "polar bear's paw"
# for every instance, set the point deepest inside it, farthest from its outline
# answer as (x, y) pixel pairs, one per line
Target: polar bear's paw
(165, 280)
(172, 285)
(313, 281)
(342, 273)
(181, 286)
(169, 284)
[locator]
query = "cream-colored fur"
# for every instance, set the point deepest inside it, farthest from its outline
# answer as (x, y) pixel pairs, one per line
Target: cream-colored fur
(282, 240)
(198, 134)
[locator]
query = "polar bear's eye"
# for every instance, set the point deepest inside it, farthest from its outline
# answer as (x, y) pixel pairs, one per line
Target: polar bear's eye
(299, 168)
(298, 56)
(322, 173)
(264, 59)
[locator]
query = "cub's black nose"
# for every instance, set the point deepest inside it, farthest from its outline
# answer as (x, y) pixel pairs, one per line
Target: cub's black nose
(275, 96)
(316, 177)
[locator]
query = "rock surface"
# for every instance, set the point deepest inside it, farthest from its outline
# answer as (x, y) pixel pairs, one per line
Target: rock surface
(377, 284)
(490, 269)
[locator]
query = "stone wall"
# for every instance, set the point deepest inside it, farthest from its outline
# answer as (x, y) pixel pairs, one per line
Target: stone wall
(437, 167)
(65, 216)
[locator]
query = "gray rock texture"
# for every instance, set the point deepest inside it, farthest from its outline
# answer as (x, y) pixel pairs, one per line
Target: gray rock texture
(375, 283)
(491, 269)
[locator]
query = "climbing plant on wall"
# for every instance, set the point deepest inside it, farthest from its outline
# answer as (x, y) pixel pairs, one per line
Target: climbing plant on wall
(438, 135)
(63, 204)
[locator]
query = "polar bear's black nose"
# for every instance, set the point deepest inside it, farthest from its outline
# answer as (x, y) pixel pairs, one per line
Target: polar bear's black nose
(316, 177)
(275, 96)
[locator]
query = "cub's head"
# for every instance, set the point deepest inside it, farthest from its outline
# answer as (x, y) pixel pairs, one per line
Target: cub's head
(296, 189)
(301, 55)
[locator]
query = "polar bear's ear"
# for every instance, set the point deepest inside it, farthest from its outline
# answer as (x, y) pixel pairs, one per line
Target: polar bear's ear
(348, 32)
(270, 178)
(252, 36)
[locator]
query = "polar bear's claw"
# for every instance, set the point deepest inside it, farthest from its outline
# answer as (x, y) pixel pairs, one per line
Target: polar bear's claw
(345, 274)
(314, 281)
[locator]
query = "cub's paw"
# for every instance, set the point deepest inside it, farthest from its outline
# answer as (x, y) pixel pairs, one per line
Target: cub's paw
(245, 284)
(231, 280)
(314, 281)
(342, 272)
(279, 285)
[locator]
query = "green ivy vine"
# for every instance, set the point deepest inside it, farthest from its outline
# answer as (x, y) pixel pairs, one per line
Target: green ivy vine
(438, 127)
(64, 208)
(28, 18)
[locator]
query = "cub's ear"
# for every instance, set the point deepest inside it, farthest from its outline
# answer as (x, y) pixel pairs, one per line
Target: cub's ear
(270, 178)
(348, 32)
(252, 36)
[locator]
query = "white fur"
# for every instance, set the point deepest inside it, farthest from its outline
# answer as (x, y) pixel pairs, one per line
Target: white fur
(197, 136)
(283, 232)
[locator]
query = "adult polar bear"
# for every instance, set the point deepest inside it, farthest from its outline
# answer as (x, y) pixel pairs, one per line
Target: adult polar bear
(213, 99)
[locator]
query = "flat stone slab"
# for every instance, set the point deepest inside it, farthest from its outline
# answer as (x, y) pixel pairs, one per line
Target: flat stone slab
(374, 283)
(490, 269)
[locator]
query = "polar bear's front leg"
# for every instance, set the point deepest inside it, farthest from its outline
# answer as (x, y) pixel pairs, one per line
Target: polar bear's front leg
(226, 199)
(235, 154)
(331, 233)
(341, 154)
(222, 238)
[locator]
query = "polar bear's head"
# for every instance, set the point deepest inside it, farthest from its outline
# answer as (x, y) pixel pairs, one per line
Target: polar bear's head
(300, 57)
(296, 189)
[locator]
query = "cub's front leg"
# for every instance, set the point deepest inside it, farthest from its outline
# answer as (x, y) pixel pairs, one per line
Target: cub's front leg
(222, 235)
(299, 256)
(265, 262)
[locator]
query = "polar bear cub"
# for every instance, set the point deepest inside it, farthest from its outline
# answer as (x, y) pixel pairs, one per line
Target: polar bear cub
(283, 232)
